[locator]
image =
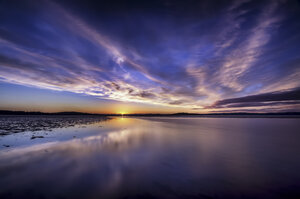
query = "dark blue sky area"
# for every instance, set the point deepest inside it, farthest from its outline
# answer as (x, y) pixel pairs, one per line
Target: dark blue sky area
(150, 56)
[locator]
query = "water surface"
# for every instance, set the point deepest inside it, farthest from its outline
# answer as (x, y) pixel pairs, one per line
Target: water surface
(156, 158)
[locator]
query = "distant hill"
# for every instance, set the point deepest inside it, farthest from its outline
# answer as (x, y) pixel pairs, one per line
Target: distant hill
(240, 114)
(7, 112)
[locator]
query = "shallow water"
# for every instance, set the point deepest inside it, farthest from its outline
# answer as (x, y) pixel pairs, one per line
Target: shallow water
(156, 158)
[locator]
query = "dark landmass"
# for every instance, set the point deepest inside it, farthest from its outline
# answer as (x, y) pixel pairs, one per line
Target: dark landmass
(236, 114)
(228, 115)
(7, 112)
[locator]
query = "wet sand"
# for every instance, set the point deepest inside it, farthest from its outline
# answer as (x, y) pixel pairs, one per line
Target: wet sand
(19, 123)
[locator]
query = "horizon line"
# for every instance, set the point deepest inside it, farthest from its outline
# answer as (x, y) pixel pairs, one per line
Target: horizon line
(13, 112)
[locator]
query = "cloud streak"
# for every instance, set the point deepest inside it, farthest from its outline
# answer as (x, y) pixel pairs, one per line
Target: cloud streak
(289, 97)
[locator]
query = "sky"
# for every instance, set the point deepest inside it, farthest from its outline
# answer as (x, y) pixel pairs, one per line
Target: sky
(158, 56)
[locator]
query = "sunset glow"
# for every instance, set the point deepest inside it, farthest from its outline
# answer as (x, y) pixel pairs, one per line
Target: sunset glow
(163, 57)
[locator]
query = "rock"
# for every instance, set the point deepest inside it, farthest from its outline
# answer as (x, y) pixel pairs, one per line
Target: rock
(33, 137)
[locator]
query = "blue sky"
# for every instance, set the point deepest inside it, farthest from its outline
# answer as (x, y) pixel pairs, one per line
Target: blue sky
(150, 56)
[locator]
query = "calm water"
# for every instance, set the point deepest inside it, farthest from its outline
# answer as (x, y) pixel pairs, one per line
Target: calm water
(156, 158)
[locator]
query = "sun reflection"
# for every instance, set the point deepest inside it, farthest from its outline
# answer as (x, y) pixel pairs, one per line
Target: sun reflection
(122, 121)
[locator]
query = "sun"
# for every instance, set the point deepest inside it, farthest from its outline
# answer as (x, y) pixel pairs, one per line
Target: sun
(122, 113)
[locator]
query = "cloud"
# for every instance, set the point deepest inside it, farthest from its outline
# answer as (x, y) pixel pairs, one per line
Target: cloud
(287, 97)
(144, 94)
(179, 57)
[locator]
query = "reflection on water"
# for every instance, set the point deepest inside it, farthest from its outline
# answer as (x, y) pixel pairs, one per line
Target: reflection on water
(161, 158)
